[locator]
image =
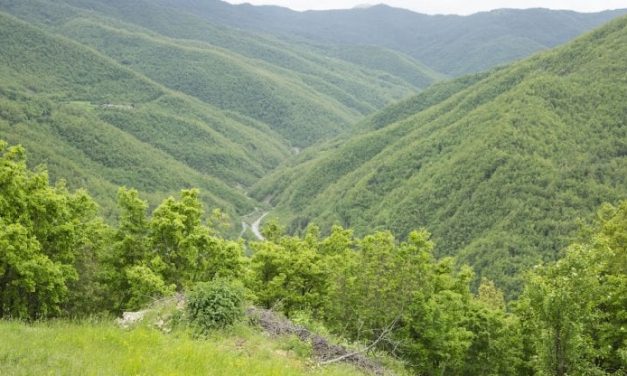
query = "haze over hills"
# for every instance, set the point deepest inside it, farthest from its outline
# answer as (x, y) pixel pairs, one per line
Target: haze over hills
(452, 45)
(498, 166)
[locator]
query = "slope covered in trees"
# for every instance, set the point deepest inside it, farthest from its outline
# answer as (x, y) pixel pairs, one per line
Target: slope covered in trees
(300, 93)
(498, 166)
(100, 125)
(110, 94)
(214, 106)
(58, 259)
(452, 45)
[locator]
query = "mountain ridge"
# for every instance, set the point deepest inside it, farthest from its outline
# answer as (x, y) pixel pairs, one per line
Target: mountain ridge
(450, 44)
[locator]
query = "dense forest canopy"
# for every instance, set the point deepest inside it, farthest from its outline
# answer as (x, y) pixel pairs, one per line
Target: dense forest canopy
(442, 223)
(500, 166)
(448, 44)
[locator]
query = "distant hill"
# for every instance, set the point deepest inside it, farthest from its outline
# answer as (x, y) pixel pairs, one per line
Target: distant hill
(100, 125)
(130, 93)
(499, 166)
(301, 94)
(452, 45)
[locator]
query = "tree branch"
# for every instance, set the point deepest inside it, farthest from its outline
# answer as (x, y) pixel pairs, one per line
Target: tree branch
(385, 332)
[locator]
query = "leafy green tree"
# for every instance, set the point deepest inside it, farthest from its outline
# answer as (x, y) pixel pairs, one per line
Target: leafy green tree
(496, 343)
(187, 249)
(169, 251)
(289, 273)
(577, 305)
(45, 234)
(340, 259)
(128, 276)
(435, 339)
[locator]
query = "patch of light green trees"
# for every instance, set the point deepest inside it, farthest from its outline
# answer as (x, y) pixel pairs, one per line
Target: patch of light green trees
(59, 258)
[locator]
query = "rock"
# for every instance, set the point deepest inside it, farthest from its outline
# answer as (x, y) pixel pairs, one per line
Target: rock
(130, 318)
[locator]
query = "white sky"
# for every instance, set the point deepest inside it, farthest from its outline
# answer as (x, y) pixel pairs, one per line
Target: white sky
(448, 6)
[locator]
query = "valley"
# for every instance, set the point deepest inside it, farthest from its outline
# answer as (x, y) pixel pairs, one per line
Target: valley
(311, 192)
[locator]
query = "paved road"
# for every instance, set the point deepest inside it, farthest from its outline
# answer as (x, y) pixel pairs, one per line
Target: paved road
(256, 225)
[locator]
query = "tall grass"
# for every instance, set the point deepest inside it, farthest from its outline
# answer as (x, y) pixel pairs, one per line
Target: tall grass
(65, 348)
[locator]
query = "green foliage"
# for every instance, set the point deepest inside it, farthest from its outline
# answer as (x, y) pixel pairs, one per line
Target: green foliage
(298, 347)
(288, 273)
(292, 89)
(144, 286)
(128, 130)
(45, 233)
(576, 306)
(214, 305)
(499, 166)
(449, 44)
(374, 286)
(172, 249)
(59, 258)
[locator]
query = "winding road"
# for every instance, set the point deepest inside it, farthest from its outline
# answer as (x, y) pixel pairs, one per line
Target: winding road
(255, 226)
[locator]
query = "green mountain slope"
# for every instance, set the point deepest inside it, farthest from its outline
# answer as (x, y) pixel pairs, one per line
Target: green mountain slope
(301, 94)
(452, 45)
(133, 93)
(498, 166)
(383, 59)
(100, 125)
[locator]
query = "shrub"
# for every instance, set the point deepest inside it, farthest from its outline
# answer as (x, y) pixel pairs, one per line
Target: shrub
(145, 286)
(214, 305)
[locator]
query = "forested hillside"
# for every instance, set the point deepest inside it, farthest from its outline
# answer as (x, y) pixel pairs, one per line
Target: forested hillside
(302, 94)
(104, 101)
(452, 45)
(499, 166)
(419, 220)
(184, 88)
(99, 125)
(59, 259)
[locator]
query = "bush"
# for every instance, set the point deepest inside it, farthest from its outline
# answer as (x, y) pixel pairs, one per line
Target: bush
(145, 286)
(214, 305)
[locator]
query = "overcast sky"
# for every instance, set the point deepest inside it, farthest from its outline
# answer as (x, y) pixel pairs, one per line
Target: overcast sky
(448, 6)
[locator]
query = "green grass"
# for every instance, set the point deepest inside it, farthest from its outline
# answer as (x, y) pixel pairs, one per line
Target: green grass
(64, 348)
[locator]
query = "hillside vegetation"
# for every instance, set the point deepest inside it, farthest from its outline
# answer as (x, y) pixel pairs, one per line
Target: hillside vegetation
(100, 125)
(59, 259)
(128, 93)
(301, 94)
(104, 349)
(500, 167)
(164, 95)
(448, 44)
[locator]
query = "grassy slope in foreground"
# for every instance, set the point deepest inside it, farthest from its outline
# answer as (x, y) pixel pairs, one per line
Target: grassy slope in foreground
(499, 171)
(64, 348)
